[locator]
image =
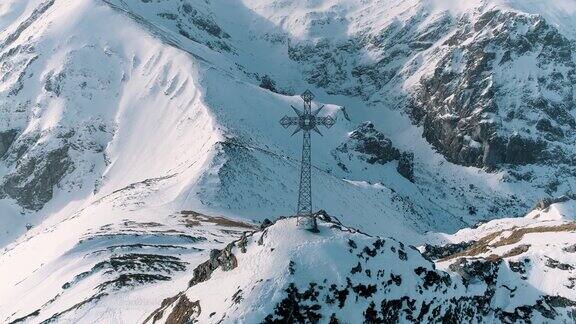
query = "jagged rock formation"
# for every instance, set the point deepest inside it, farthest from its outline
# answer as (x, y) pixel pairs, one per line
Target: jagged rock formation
(6, 139)
(496, 87)
(33, 180)
(368, 144)
(501, 92)
(406, 165)
(338, 64)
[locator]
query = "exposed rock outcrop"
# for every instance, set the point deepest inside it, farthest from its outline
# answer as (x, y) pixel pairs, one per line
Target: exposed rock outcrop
(406, 165)
(32, 184)
(468, 104)
(6, 140)
(371, 146)
(223, 259)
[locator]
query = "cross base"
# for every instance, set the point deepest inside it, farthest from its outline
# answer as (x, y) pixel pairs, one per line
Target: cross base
(307, 222)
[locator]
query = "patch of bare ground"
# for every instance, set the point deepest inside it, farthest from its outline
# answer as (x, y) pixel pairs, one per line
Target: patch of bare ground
(518, 234)
(133, 224)
(478, 248)
(513, 252)
(192, 218)
(483, 245)
(183, 311)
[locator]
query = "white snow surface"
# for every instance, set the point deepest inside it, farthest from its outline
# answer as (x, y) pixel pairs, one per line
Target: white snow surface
(163, 123)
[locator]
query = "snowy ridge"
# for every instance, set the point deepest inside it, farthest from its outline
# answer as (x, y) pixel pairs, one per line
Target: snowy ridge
(108, 139)
(342, 276)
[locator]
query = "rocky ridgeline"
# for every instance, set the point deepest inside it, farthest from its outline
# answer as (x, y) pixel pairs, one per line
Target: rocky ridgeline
(127, 257)
(282, 275)
(341, 68)
(501, 93)
(190, 20)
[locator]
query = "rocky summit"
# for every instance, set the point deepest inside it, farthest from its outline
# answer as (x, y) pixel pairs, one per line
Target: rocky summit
(344, 276)
(145, 175)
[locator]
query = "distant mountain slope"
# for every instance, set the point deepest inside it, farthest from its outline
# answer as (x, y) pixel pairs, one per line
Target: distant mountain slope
(79, 106)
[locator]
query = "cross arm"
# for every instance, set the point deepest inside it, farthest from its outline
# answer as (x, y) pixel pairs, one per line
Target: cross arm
(289, 121)
(327, 121)
(298, 112)
(315, 113)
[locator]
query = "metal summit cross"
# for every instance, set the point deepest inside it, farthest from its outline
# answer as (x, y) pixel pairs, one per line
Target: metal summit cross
(306, 121)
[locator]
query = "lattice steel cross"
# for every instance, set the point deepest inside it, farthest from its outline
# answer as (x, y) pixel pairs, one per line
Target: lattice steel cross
(306, 121)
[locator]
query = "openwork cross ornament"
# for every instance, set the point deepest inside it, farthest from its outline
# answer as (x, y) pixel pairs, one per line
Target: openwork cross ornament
(306, 121)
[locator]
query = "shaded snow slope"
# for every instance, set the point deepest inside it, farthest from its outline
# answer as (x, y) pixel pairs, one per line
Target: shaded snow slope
(91, 111)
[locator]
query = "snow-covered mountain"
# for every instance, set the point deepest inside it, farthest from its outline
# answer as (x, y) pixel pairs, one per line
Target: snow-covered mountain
(137, 136)
(507, 270)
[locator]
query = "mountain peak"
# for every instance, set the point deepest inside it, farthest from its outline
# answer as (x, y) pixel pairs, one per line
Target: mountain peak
(283, 274)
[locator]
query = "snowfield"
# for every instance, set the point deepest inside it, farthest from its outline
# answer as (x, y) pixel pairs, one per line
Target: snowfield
(139, 137)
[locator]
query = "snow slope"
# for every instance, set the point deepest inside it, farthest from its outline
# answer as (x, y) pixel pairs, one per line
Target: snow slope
(118, 128)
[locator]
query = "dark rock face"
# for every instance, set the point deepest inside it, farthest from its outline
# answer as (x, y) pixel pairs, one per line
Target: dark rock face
(484, 270)
(183, 311)
(433, 252)
(333, 65)
(192, 23)
(38, 12)
(32, 183)
(39, 163)
(191, 20)
(267, 83)
(218, 258)
(468, 103)
(202, 21)
(368, 144)
(6, 140)
(406, 165)
(130, 270)
(295, 307)
(265, 223)
(520, 267)
(547, 202)
(373, 146)
(555, 264)
(475, 107)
